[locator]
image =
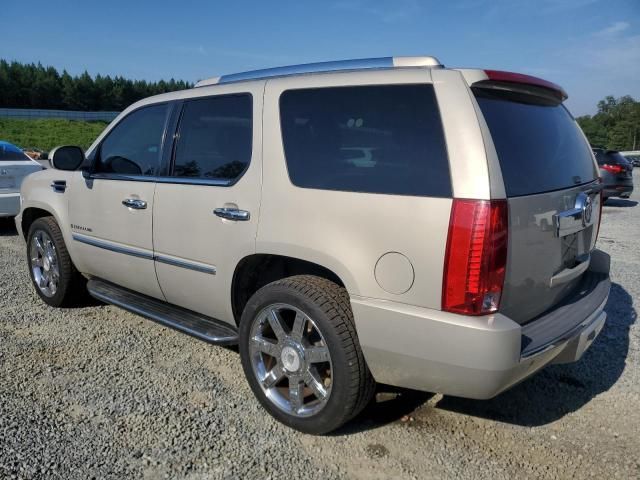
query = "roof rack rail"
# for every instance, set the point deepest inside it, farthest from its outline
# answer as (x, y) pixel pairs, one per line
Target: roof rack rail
(339, 65)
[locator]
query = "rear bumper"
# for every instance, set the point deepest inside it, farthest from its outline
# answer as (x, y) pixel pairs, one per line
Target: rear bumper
(477, 357)
(618, 189)
(9, 204)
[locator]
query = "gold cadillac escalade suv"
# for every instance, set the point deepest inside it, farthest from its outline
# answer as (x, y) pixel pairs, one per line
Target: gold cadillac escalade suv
(345, 223)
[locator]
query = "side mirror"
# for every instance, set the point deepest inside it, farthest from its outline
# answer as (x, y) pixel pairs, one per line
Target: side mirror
(66, 158)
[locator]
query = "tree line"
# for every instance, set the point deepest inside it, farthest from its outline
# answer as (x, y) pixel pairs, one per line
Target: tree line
(35, 86)
(616, 125)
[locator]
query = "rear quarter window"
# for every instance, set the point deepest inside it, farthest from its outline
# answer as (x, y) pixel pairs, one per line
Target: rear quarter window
(539, 146)
(375, 139)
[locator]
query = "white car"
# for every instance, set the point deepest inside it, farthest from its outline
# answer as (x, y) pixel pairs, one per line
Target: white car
(15, 165)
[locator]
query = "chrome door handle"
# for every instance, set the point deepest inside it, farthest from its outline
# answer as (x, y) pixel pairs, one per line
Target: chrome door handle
(59, 186)
(232, 214)
(134, 203)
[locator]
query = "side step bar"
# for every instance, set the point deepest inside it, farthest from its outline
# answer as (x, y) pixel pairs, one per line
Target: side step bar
(200, 326)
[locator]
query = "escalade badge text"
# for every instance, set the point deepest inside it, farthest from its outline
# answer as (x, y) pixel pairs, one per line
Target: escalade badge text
(80, 227)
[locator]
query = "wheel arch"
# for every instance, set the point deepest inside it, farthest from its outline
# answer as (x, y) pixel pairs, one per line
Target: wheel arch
(30, 215)
(259, 269)
(39, 199)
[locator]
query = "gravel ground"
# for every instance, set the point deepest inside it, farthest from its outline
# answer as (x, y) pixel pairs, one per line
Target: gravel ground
(98, 392)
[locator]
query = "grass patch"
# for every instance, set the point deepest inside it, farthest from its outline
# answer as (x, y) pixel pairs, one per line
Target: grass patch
(50, 132)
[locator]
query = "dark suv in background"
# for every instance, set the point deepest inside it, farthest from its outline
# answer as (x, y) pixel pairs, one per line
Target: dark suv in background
(616, 173)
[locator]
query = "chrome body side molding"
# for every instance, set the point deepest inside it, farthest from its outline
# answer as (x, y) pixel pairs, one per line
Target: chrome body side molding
(185, 264)
(112, 247)
(198, 267)
(216, 182)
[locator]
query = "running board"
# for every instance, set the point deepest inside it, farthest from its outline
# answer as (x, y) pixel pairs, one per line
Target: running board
(200, 326)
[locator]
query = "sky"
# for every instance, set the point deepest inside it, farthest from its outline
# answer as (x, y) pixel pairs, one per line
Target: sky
(590, 47)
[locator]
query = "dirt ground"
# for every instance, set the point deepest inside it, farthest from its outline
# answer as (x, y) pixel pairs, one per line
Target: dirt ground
(98, 392)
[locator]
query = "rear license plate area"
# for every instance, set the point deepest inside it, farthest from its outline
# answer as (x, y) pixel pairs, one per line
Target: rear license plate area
(575, 247)
(569, 250)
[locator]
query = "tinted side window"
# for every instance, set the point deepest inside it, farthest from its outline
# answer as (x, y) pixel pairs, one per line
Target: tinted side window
(540, 147)
(215, 136)
(133, 146)
(376, 139)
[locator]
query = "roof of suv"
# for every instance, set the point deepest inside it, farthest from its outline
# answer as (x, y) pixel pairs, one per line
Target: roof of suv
(334, 66)
(473, 76)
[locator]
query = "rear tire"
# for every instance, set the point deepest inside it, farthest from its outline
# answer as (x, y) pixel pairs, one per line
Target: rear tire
(52, 272)
(301, 355)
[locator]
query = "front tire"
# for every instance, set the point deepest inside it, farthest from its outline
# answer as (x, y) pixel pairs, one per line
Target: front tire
(52, 272)
(301, 355)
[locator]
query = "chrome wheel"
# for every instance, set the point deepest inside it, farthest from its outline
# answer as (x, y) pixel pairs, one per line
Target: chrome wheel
(44, 263)
(291, 360)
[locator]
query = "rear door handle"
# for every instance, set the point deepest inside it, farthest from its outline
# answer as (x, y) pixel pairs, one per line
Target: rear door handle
(134, 203)
(232, 214)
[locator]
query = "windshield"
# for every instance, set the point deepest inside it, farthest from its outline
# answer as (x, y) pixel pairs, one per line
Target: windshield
(10, 153)
(539, 146)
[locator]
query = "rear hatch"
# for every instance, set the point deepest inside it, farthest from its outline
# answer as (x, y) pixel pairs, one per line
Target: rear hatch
(552, 189)
(14, 166)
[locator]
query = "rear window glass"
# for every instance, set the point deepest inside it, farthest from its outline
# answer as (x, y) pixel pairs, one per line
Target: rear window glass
(376, 139)
(540, 147)
(612, 158)
(10, 153)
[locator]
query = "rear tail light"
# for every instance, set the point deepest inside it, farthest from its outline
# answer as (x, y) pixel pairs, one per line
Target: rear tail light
(476, 257)
(613, 168)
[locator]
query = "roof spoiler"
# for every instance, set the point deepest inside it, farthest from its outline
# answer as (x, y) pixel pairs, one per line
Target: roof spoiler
(510, 81)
